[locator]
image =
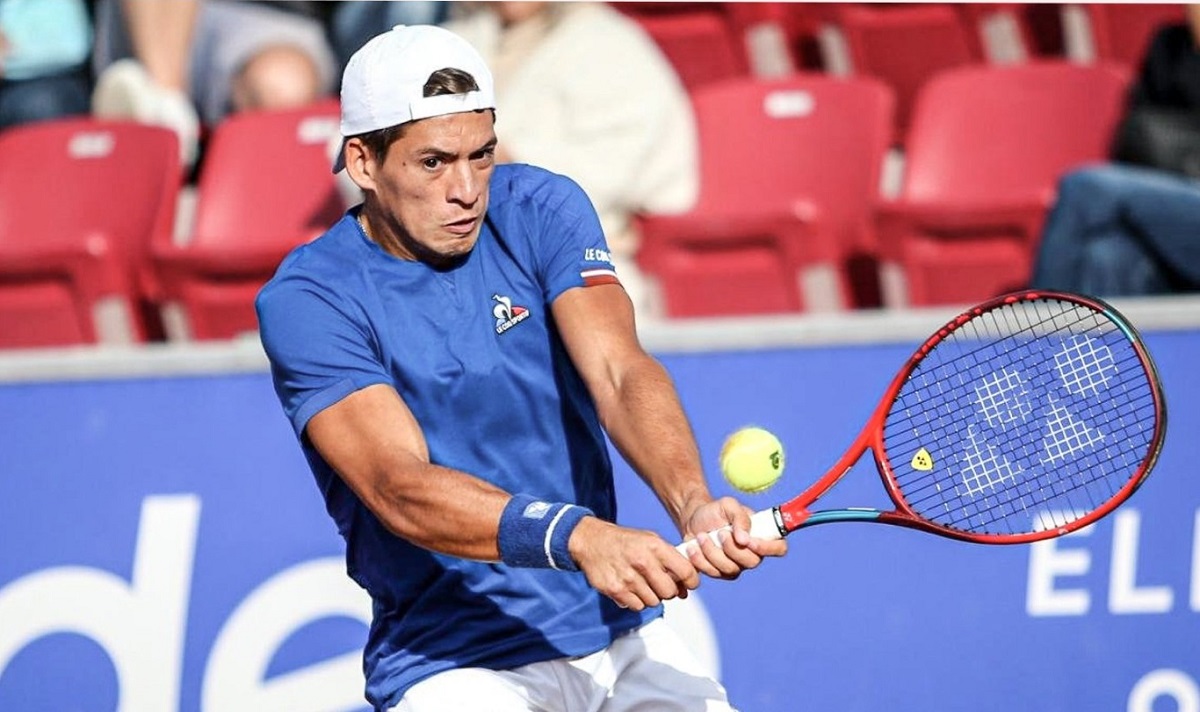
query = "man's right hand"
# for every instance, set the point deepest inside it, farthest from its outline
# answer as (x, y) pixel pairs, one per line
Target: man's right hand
(636, 568)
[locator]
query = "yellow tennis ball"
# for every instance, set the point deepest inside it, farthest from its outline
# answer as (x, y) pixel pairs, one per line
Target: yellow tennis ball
(752, 459)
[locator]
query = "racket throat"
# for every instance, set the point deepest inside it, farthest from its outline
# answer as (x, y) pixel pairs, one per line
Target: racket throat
(812, 519)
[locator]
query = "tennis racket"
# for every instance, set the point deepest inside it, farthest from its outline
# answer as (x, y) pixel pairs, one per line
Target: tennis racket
(1024, 418)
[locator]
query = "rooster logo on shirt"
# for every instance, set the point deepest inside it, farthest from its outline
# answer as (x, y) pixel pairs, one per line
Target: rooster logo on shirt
(507, 316)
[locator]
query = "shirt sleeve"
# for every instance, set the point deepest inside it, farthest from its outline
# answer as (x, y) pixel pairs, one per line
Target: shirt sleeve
(571, 244)
(319, 352)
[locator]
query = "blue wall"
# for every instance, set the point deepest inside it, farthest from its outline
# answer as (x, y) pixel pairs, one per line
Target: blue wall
(232, 598)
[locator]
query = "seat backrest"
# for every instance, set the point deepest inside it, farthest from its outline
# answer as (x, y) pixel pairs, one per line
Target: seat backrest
(796, 143)
(266, 180)
(698, 40)
(81, 201)
(984, 135)
(904, 45)
(1121, 32)
(68, 180)
(1006, 30)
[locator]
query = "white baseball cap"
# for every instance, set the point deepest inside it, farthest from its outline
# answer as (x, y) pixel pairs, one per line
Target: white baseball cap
(383, 84)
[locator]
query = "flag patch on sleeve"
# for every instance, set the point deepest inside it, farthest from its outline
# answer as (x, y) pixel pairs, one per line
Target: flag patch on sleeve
(592, 273)
(592, 277)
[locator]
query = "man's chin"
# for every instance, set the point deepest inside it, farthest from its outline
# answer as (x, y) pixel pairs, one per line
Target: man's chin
(450, 253)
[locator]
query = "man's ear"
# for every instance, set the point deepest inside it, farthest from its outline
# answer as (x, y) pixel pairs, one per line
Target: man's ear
(360, 164)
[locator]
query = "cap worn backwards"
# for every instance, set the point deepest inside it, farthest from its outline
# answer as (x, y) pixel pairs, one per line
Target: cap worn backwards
(384, 81)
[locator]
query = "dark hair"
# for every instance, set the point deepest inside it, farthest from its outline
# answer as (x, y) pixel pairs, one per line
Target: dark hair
(441, 82)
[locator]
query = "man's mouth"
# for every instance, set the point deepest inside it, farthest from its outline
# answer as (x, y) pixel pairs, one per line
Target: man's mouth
(462, 227)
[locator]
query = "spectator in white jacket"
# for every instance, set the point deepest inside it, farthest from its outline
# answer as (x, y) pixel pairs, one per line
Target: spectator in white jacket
(587, 93)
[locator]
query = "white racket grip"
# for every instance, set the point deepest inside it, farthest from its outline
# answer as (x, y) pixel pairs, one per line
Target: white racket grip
(762, 526)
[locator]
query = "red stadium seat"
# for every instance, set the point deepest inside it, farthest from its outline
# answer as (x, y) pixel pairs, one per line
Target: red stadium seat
(789, 173)
(697, 38)
(772, 35)
(803, 24)
(901, 44)
(80, 202)
(1006, 30)
(985, 152)
(265, 187)
(1115, 32)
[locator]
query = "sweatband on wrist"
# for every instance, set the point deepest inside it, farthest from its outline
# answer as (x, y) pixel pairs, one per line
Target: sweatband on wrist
(534, 534)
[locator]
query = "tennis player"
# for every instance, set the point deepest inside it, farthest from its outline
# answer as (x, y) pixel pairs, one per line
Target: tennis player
(451, 355)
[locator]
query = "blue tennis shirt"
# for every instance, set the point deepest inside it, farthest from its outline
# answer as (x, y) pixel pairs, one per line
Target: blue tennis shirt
(475, 355)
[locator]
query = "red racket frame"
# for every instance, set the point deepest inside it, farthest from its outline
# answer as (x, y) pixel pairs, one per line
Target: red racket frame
(795, 513)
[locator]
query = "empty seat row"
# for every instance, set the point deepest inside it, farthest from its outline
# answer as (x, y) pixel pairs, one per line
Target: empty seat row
(901, 44)
(89, 251)
(791, 215)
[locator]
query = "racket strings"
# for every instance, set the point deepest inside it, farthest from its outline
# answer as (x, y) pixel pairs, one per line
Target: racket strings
(991, 329)
(981, 512)
(1029, 416)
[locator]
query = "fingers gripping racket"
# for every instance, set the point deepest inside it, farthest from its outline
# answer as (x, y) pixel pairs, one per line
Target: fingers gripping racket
(1024, 418)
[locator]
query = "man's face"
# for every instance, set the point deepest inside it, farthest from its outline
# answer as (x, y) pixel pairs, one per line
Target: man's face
(432, 188)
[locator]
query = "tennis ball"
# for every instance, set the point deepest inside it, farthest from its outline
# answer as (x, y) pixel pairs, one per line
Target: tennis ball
(752, 459)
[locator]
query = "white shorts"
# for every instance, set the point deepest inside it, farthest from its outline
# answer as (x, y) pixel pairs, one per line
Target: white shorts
(649, 668)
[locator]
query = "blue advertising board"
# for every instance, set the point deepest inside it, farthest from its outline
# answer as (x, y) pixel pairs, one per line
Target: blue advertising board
(163, 548)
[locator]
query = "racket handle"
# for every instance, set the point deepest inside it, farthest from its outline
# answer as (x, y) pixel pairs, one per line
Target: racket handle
(762, 526)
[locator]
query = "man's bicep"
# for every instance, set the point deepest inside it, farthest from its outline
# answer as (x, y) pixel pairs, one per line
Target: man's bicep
(597, 328)
(366, 438)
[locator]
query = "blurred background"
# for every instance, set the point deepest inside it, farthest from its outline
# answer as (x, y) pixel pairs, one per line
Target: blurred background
(796, 195)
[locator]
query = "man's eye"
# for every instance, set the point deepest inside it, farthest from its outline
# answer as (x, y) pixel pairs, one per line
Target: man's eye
(431, 162)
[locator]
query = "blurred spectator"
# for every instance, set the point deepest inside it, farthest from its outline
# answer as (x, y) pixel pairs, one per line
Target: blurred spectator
(583, 91)
(1161, 128)
(353, 22)
(185, 63)
(1122, 230)
(1133, 227)
(44, 46)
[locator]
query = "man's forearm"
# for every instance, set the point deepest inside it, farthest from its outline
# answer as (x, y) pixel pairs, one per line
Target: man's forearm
(646, 423)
